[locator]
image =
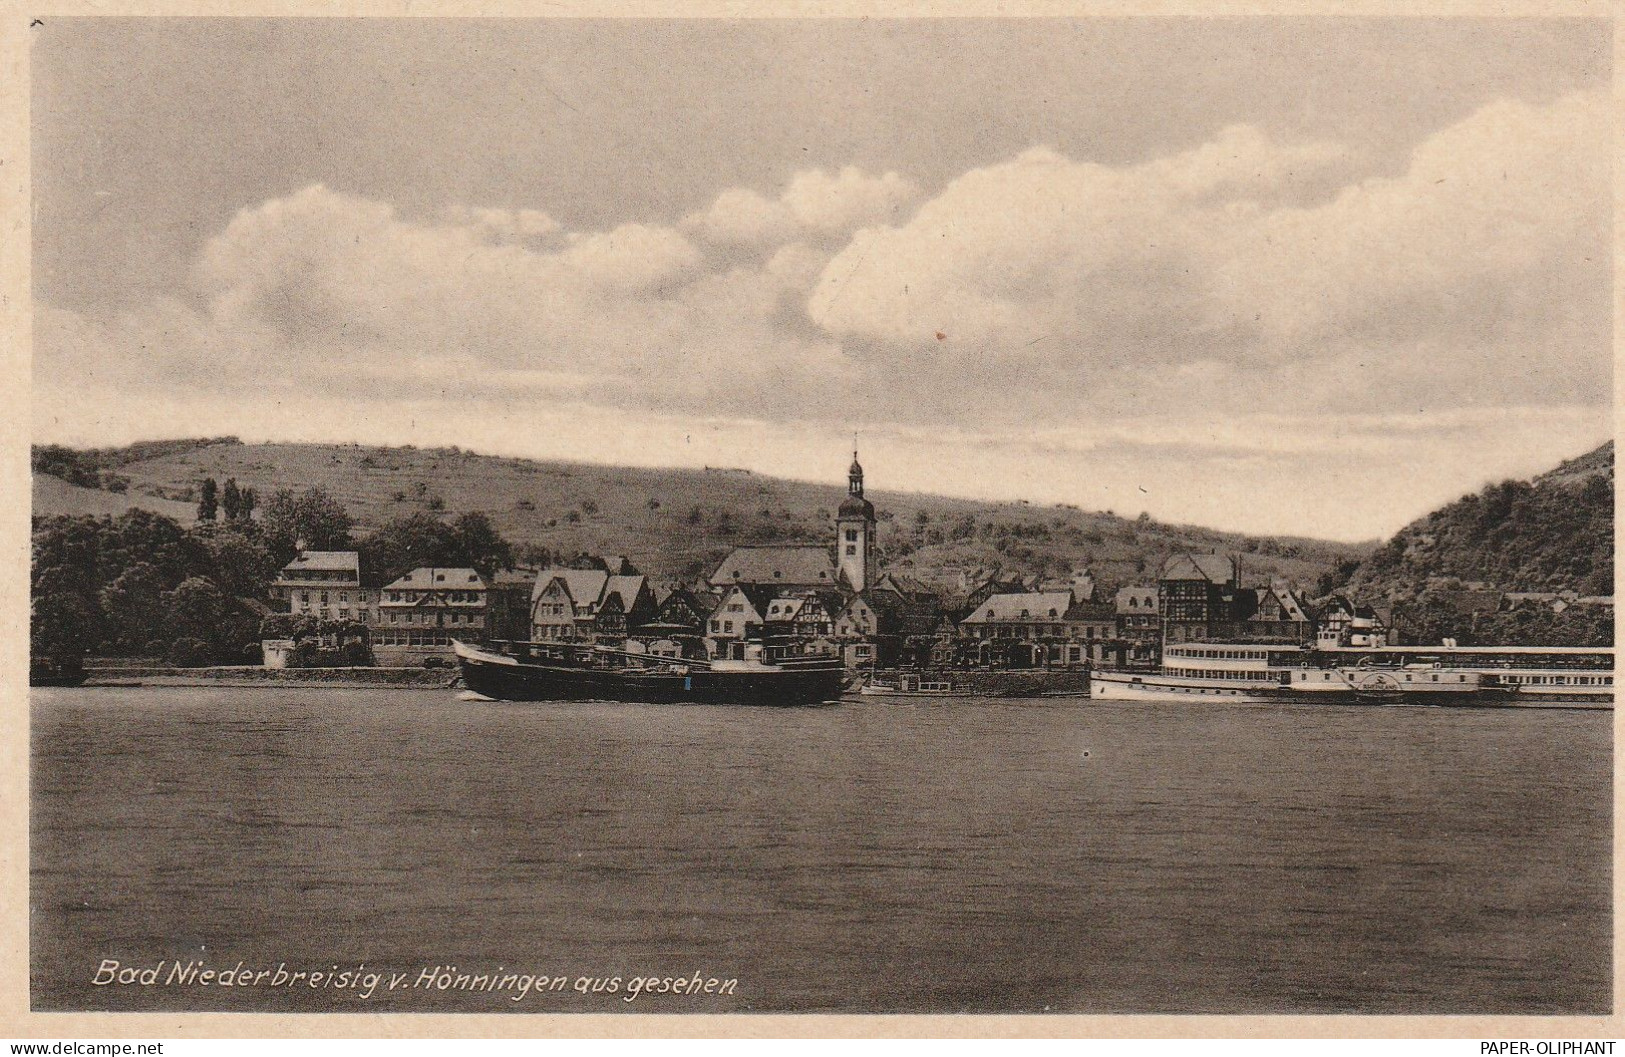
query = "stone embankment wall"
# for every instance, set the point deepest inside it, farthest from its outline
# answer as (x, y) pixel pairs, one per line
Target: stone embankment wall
(257, 676)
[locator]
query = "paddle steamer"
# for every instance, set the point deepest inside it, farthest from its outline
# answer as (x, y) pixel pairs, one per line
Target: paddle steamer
(1512, 676)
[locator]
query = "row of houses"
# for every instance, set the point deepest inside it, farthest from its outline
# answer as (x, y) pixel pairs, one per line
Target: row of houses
(831, 598)
(796, 600)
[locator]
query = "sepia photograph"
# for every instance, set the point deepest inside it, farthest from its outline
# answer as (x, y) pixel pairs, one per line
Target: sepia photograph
(845, 515)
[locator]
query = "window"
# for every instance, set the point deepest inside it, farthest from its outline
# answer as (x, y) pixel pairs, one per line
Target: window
(852, 548)
(716, 625)
(344, 596)
(304, 596)
(851, 536)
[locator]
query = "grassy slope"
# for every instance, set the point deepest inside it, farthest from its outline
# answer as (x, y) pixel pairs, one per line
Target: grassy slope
(734, 506)
(53, 496)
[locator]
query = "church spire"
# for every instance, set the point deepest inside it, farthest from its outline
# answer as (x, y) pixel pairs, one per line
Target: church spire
(854, 477)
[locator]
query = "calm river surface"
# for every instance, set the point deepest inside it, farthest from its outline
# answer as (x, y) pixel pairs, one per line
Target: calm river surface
(983, 856)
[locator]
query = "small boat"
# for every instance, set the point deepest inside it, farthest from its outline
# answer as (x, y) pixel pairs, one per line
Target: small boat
(532, 671)
(912, 686)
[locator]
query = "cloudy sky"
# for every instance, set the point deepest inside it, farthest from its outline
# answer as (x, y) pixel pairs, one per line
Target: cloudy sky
(1305, 276)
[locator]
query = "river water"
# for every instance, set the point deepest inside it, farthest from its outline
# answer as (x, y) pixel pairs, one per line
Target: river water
(966, 855)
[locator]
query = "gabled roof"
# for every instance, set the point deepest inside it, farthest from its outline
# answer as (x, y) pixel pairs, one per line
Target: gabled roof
(326, 561)
(1144, 596)
(1036, 606)
(1292, 607)
(435, 578)
(626, 588)
(907, 586)
(1214, 568)
(784, 608)
(681, 602)
(797, 564)
(758, 595)
(586, 586)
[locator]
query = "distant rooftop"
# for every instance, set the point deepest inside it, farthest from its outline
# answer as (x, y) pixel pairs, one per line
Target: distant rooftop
(326, 561)
(427, 577)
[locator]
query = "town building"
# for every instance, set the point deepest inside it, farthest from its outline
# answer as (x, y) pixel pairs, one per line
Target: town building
(326, 585)
(1139, 623)
(422, 612)
(677, 628)
(797, 565)
(1037, 629)
(738, 619)
(800, 623)
(1343, 623)
(1197, 598)
(590, 605)
(1081, 583)
(855, 533)
(511, 592)
(1279, 614)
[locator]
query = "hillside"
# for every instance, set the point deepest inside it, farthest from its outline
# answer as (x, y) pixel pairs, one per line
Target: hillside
(1552, 533)
(52, 495)
(679, 523)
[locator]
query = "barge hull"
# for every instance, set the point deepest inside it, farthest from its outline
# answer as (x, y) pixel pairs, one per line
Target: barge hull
(538, 682)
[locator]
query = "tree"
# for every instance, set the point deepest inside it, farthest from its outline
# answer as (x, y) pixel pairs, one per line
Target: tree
(188, 652)
(64, 621)
(135, 608)
(208, 504)
(480, 546)
(239, 562)
(407, 543)
(232, 500)
(245, 504)
(356, 655)
(196, 609)
(311, 519)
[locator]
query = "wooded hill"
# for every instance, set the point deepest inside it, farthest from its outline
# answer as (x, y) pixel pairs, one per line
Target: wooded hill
(1552, 533)
(674, 523)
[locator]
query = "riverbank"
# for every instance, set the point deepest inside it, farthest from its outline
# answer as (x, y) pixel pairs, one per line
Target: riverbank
(255, 676)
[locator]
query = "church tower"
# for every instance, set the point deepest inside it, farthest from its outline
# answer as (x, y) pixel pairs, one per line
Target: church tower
(855, 533)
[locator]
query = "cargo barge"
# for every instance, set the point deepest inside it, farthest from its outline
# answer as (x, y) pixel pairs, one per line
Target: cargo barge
(519, 671)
